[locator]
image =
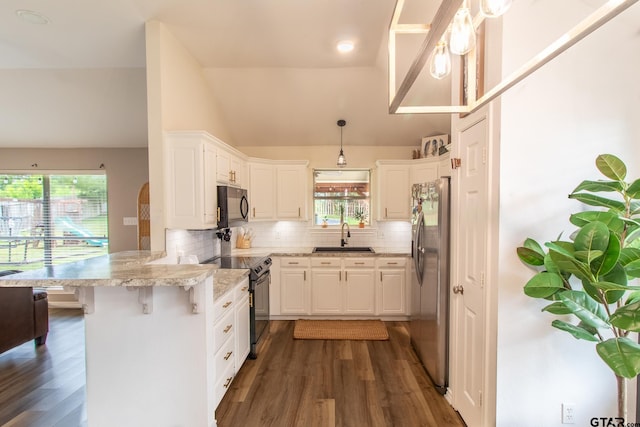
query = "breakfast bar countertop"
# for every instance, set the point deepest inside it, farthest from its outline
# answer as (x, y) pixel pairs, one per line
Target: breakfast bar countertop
(127, 269)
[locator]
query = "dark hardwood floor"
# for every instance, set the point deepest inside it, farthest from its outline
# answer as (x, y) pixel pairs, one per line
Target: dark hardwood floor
(296, 383)
(45, 386)
(292, 383)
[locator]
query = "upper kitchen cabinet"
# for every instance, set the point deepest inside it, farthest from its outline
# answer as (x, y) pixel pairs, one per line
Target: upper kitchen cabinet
(394, 203)
(262, 190)
(424, 170)
(230, 168)
(291, 197)
(191, 193)
(277, 190)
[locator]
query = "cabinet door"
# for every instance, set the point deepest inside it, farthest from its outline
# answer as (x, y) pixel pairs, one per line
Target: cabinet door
(190, 192)
(395, 203)
(261, 191)
(392, 291)
(294, 291)
(223, 167)
(210, 186)
(424, 172)
(290, 193)
(326, 292)
(243, 341)
(238, 172)
(359, 291)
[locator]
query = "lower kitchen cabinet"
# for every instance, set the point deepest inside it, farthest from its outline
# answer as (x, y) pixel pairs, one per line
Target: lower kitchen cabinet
(294, 286)
(342, 286)
(392, 284)
(231, 336)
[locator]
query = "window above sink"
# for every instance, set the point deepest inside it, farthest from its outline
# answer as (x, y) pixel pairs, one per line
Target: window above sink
(341, 194)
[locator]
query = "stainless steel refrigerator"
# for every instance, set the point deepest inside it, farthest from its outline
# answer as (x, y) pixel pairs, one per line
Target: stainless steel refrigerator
(429, 323)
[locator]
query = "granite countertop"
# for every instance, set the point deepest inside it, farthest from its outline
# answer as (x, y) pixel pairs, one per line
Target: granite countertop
(129, 268)
(308, 251)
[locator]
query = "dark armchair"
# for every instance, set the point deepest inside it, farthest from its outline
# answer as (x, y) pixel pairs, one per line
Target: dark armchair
(24, 316)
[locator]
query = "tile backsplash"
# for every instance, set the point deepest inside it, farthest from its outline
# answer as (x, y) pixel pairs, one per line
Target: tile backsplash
(204, 243)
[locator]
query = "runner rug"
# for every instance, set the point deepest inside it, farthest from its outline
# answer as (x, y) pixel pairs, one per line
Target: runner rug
(374, 330)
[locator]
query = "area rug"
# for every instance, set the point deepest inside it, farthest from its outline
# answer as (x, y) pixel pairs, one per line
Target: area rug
(374, 330)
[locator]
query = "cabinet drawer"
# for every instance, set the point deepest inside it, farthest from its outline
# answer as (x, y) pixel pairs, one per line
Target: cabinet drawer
(242, 290)
(392, 262)
(223, 383)
(223, 305)
(359, 262)
(223, 329)
(294, 262)
(225, 357)
(326, 262)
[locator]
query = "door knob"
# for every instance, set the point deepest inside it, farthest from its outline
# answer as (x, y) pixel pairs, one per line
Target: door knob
(458, 290)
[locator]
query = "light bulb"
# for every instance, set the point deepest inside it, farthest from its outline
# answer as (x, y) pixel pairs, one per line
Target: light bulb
(463, 34)
(494, 8)
(342, 161)
(440, 62)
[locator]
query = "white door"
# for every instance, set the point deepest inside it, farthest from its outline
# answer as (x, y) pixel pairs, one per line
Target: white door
(470, 263)
(326, 291)
(359, 292)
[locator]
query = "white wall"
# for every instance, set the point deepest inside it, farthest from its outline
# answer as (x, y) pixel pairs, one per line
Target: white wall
(554, 124)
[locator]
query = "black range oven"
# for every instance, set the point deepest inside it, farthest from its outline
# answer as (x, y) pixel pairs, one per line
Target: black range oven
(259, 281)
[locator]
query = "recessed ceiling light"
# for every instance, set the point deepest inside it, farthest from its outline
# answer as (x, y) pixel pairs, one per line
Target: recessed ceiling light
(32, 17)
(345, 46)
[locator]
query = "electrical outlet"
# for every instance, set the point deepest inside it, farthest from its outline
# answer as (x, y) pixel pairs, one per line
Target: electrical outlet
(568, 413)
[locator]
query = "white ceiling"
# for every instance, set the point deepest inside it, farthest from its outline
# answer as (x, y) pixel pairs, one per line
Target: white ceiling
(79, 81)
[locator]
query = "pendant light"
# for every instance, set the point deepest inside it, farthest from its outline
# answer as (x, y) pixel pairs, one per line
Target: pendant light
(342, 161)
(463, 33)
(440, 62)
(494, 8)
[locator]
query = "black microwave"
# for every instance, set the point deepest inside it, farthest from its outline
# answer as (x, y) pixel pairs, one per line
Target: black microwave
(233, 206)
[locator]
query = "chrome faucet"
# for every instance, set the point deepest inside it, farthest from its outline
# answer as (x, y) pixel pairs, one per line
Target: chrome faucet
(344, 241)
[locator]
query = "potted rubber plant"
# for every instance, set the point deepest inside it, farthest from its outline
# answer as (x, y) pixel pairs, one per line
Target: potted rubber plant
(361, 216)
(587, 276)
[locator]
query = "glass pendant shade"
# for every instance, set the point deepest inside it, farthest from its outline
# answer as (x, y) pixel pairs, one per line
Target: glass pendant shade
(463, 34)
(494, 8)
(342, 161)
(440, 62)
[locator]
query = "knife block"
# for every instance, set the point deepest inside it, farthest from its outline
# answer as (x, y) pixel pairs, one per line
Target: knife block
(242, 243)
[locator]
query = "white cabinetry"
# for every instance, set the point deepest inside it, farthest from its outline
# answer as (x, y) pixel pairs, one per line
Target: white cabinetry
(231, 336)
(342, 286)
(277, 190)
(291, 198)
(294, 286)
(191, 193)
(230, 169)
(261, 191)
(326, 286)
(424, 171)
(391, 290)
(394, 191)
(359, 286)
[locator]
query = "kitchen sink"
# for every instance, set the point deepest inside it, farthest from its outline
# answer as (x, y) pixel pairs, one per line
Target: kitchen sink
(365, 249)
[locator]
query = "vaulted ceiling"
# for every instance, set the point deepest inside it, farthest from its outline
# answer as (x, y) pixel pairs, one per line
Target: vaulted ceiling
(79, 80)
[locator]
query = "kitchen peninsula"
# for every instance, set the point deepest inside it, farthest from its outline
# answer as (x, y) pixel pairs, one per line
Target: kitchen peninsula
(152, 337)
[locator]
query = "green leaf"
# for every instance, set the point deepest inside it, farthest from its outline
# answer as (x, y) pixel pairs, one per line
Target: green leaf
(593, 200)
(585, 308)
(529, 256)
(627, 317)
(618, 276)
(605, 264)
(566, 262)
(611, 220)
(622, 355)
(543, 285)
(633, 297)
(633, 190)
(577, 331)
(587, 256)
(611, 167)
(557, 308)
(628, 255)
(598, 186)
(611, 286)
(591, 290)
(549, 265)
(633, 268)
